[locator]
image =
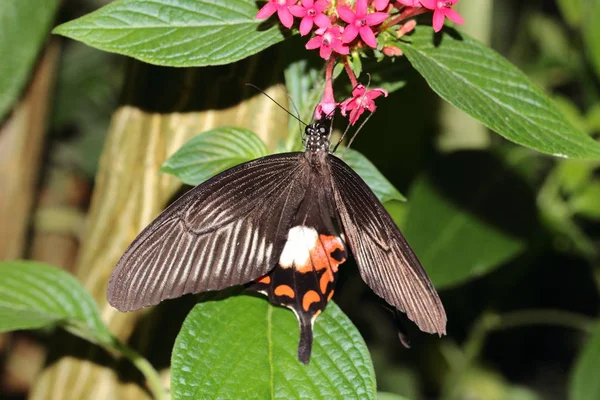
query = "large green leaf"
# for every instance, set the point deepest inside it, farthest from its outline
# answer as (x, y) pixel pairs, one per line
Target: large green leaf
(461, 218)
(245, 348)
(176, 33)
(24, 26)
(585, 384)
(35, 295)
(212, 152)
(480, 82)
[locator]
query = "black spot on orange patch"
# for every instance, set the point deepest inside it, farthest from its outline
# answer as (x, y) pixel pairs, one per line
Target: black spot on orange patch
(309, 298)
(321, 256)
(284, 290)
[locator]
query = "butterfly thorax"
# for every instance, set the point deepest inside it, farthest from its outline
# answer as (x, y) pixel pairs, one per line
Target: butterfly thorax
(316, 142)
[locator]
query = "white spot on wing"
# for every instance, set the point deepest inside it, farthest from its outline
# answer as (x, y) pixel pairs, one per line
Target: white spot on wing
(300, 241)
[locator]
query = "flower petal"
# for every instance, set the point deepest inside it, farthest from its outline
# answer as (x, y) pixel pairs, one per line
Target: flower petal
(350, 33)
(320, 5)
(376, 18)
(305, 26)
(314, 43)
(431, 4)
(355, 114)
(438, 20)
(381, 4)
(454, 16)
(307, 3)
(322, 21)
(375, 93)
(325, 52)
(346, 14)
(367, 35)
(361, 8)
(298, 11)
(340, 48)
(266, 11)
(285, 17)
(358, 90)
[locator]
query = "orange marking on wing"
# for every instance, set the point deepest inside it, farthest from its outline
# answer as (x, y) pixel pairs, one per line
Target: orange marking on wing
(324, 281)
(330, 295)
(285, 290)
(310, 297)
(332, 244)
(265, 279)
(320, 256)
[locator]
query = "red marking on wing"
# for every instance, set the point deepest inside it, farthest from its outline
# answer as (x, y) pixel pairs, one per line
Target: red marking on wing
(321, 256)
(284, 290)
(310, 297)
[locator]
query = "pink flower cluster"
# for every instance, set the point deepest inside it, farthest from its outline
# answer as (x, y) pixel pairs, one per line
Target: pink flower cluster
(346, 25)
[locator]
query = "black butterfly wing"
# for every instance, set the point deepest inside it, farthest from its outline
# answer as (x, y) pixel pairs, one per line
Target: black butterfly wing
(385, 260)
(227, 231)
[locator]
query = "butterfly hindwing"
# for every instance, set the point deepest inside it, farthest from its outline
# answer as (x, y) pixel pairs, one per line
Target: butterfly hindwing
(385, 260)
(227, 231)
(305, 276)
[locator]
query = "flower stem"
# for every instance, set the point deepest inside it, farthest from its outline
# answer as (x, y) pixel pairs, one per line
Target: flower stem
(407, 13)
(152, 378)
(350, 73)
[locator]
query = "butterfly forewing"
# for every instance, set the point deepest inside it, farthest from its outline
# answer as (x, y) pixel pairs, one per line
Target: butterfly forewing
(385, 260)
(224, 232)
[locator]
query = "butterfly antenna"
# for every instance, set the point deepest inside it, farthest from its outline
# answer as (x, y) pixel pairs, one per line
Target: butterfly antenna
(358, 130)
(360, 126)
(341, 138)
(282, 107)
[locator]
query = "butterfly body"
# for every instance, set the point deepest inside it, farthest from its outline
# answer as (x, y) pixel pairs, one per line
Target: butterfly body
(282, 225)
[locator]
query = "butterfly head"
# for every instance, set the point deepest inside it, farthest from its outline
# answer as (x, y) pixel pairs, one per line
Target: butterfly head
(316, 140)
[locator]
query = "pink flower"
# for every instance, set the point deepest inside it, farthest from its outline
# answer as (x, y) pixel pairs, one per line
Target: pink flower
(325, 109)
(381, 4)
(328, 39)
(361, 99)
(327, 105)
(282, 8)
(442, 10)
(311, 12)
(360, 22)
(410, 3)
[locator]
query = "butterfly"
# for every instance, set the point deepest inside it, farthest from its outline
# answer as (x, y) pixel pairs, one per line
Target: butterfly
(281, 225)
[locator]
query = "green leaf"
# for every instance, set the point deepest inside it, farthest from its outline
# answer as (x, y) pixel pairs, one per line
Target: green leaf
(212, 152)
(389, 396)
(35, 295)
(591, 32)
(458, 223)
(243, 347)
(480, 82)
(382, 188)
(571, 11)
(24, 26)
(179, 33)
(587, 201)
(585, 384)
